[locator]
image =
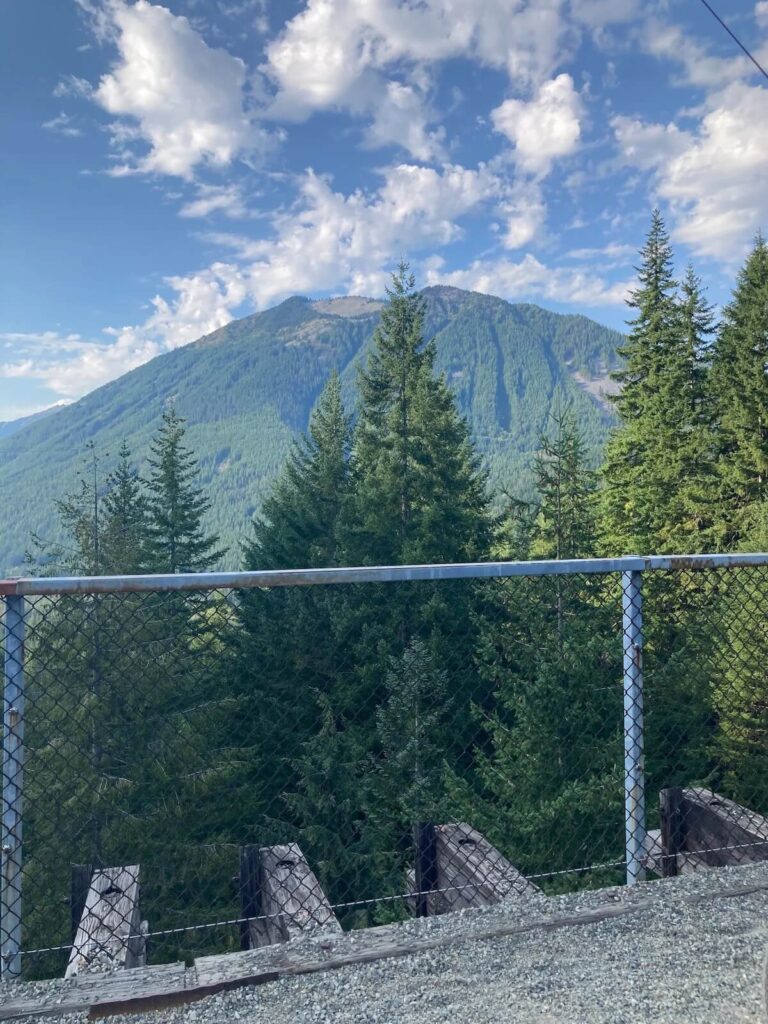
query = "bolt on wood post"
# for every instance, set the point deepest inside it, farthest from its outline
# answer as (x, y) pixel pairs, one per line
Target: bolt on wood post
(12, 789)
(634, 756)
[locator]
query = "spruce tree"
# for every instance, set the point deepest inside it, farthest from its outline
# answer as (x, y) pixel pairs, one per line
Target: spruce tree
(652, 460)
(564, 526)
(740, 395)
(124, 521)
(297, 525)
(176, 505)
(547, 788)
(287, 654)
(419, 492)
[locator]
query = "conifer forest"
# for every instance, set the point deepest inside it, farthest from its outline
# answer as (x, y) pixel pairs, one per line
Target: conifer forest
(170, 729)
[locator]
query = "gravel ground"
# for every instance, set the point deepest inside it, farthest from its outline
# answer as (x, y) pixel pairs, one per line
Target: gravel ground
(670, 963)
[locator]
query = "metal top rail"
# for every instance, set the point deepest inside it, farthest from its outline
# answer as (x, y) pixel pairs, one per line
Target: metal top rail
(41, 586)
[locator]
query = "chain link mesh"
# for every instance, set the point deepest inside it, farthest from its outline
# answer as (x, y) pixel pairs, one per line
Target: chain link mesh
(215, 770)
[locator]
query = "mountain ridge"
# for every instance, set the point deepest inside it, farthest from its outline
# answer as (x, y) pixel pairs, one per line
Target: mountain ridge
(249, 387)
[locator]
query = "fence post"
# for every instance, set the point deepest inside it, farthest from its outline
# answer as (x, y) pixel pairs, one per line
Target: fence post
(13, 766)
(634, 758)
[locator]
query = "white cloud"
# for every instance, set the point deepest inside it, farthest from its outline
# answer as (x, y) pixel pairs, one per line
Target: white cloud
(525, 213)
(183, 98)
(330, 239)
(327, 240)
(224, 199)
(715, 177)
(668, 41)
(761, 13)
(62, 125)
(368, 58)
(529, 278)
(400, 118)
(71, 85)
(71, 366)
(613, 251)
(543, 128)
(325, 49)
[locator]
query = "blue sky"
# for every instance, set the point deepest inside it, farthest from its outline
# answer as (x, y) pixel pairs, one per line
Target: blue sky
(169, 166)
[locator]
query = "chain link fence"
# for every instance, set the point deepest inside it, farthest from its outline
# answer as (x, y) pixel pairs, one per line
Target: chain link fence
(207, 763)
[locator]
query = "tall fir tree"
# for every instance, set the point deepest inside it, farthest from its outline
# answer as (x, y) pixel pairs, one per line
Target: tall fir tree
(740, 396)
(419, 491)
(176, 505)
(124, 528)
(547, 788)
(298, 522)
(287, 654)
(652, 460)
(417, 494)
(564, 526)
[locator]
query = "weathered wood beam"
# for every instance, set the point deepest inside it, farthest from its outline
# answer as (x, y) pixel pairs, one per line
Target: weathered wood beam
(702, 829)
(281, 896)
(110, 932)
(471, 872)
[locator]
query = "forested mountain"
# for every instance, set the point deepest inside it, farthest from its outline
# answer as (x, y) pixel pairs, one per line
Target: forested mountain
(246, 390)
(8, 427)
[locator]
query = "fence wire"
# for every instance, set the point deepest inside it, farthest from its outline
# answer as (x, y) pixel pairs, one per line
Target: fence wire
(197, 771)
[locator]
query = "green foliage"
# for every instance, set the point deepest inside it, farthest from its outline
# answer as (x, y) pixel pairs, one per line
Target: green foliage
(739, 391)
(655, 464)
(247, 390)
(175, 538)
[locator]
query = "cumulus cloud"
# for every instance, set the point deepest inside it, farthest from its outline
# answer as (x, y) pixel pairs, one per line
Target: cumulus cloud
(699, 67)
(71, 366)
(184, 99)
(325, 49)
(400, 117)
(715, 176)
(529, 278)
(368, 58)
(543, 128)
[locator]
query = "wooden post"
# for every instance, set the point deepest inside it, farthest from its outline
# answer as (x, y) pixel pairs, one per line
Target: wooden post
(250, 892)
(425, 842)
(110, 930)
(80, 883)
(671, 810)
(283, 897)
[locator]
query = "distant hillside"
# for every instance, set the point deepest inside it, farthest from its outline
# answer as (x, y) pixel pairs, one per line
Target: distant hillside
(248, 388)
(8, 427)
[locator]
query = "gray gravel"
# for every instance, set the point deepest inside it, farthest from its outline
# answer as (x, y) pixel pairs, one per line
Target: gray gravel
(672, 963)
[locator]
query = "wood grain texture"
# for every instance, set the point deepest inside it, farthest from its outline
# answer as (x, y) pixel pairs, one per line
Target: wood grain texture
(292, 901)
(717, 832)
(109, 932)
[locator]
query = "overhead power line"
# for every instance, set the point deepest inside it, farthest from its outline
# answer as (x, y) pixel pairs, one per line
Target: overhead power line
(736, 39)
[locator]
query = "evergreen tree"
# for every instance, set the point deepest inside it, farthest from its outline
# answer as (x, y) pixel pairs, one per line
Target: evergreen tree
(176, 506)
(419, 494)
(740, 395)
(547, 787)
(286, 651)
(652, 461)
(124, 528)
(564, 526)
(297, 525)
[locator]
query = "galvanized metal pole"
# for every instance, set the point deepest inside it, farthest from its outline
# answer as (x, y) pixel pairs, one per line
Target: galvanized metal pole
(13, 767)
(634, 757)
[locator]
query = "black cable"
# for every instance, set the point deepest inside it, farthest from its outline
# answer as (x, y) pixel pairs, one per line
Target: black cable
(735, 39)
